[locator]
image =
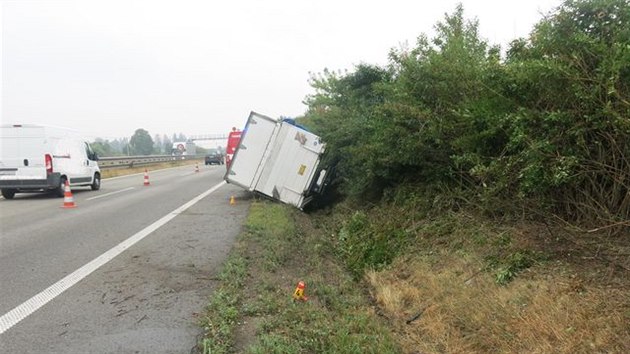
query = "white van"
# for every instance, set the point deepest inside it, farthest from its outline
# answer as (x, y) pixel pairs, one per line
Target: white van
(35, 158)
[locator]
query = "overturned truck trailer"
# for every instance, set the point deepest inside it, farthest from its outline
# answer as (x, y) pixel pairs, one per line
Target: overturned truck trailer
(278, 159)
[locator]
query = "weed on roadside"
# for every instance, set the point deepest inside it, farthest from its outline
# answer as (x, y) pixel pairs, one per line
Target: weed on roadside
(223, 311)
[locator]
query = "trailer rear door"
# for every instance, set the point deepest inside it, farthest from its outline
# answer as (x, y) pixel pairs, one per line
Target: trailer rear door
(252, 151)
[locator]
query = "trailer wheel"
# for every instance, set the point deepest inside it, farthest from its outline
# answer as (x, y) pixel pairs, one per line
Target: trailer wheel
(8, 193)
(96, 185)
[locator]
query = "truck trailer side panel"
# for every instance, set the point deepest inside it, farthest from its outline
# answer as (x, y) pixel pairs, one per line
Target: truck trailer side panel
(291, 165)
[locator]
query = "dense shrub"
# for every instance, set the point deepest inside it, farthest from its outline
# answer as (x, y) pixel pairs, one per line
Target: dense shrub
(546, 127)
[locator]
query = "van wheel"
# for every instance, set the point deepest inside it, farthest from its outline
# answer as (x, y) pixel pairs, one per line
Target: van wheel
(8, 193)
(96, 185)
(59, 191)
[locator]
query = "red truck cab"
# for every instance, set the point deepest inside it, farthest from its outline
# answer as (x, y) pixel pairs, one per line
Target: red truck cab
(234, 139)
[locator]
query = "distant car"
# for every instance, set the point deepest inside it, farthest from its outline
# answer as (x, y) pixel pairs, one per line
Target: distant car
(214, 156)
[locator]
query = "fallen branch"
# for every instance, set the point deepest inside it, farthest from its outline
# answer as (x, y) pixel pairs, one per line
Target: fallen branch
(416, 316)
(626, 223)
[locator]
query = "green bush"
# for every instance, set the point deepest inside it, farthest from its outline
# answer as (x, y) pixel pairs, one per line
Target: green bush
(545, 127)
(369, 242)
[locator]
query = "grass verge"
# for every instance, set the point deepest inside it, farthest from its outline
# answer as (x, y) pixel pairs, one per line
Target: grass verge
(253, 310)
(396, 279)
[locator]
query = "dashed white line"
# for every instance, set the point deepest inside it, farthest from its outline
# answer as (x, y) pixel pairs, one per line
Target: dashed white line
(31, 305)
(110, 193)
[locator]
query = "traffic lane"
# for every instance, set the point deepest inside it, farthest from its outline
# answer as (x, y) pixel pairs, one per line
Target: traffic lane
(39, 212)
(145, 300)
(39, 205)
(41, 253)
(38, 255)
(33, 207)
(35, 212)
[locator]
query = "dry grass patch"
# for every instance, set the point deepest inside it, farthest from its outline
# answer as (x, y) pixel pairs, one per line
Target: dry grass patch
(462, 310)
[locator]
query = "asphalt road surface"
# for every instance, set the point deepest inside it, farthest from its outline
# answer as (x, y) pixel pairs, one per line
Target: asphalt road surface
(126, 271)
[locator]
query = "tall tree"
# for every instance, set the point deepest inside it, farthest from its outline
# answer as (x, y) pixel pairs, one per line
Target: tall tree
(125, 148)
(102, 147)
(167, 145)
(157, 144)
(141, 143)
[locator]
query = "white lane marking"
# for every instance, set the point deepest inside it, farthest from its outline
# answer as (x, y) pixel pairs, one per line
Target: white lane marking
(31, 305)
(110, 193)
(119, 177)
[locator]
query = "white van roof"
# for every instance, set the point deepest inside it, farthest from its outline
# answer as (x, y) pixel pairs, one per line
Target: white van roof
(49, 130)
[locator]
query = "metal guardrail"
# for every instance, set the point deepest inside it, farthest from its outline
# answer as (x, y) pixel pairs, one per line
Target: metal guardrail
(209, 137)
(131, 161)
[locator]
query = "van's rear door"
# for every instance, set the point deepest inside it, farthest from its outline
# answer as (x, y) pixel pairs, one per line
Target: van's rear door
(22, 152)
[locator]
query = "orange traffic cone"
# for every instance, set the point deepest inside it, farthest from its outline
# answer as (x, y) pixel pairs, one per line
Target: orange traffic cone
(197, 167)
(232, 201)
(299, 292)
(68, 200)
(146, 178)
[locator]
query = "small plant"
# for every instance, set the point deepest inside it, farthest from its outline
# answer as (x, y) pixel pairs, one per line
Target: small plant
(503, 239)
(369, 242)
(515, 263)
(218, 323)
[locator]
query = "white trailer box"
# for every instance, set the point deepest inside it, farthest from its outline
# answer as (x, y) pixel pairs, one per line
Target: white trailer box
(41, 158)
(277, 159)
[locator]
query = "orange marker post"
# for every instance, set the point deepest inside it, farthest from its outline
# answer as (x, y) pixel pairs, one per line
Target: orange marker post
(299, 292)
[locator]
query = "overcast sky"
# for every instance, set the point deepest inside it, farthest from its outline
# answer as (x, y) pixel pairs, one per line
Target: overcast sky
(107, 68)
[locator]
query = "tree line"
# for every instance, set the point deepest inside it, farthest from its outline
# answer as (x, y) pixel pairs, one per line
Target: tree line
(541, 128)
(140, 143)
